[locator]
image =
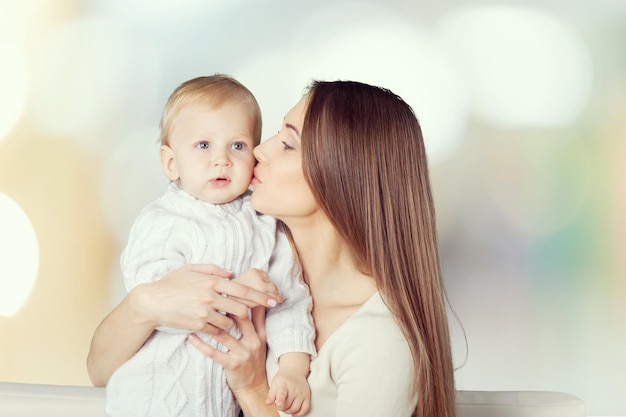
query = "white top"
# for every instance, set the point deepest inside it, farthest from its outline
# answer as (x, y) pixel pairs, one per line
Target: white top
(178, 229)
(167, 377)
(364, 368)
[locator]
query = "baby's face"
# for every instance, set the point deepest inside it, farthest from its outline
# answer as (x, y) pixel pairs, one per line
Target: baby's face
(211, 151)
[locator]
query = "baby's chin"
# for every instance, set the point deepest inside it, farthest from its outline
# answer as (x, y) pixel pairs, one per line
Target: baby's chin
(221, 196)
(218, 201)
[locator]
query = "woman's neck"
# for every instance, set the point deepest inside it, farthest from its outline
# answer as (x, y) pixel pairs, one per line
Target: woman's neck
(320, 248)
(337, 285)
(329, 266)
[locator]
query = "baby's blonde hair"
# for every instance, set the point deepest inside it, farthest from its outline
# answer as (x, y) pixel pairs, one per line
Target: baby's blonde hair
(214, 91)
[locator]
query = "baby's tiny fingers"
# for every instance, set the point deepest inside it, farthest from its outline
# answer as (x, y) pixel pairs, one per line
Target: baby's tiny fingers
(295, 406)
(281, 395)
(271, 397)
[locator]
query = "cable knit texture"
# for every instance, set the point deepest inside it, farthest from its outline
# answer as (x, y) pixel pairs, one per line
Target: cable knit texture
(168, 376)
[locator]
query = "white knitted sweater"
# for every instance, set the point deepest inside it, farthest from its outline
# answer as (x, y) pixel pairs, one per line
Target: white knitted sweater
(168, 377)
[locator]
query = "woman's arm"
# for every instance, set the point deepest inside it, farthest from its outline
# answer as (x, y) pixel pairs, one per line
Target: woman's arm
(244, 363)
(108, 351)
(189, 298)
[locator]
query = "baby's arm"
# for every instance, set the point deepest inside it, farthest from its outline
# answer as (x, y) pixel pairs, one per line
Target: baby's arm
(290, 326)
(290, 333)
(158, 243)
(289, 389)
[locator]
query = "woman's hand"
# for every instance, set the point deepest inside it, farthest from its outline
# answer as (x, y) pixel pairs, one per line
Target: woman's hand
(244, 362)
(260, 281)
(193, 297)
(188, 298)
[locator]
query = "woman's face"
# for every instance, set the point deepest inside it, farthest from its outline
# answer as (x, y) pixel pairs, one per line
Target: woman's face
(280, 189)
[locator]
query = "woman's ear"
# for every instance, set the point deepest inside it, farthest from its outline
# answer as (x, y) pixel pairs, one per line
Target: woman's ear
(168, 162)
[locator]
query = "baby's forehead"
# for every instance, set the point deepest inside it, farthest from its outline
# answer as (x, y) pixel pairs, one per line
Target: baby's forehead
(239, 110)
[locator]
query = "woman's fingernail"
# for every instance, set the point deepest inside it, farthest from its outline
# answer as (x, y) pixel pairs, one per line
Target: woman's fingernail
(271, 302)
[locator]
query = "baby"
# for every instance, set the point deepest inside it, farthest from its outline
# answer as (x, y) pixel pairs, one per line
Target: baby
(209, 128)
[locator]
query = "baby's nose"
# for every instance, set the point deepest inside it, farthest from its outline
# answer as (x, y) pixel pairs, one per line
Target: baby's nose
(221, 158)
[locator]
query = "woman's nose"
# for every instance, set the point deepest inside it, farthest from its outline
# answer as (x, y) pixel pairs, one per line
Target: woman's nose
(259, 151)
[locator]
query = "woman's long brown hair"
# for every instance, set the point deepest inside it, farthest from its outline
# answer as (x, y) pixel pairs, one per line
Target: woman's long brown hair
(364, 159)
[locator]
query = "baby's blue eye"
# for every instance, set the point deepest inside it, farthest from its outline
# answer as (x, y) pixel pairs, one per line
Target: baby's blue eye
(239, 146)
(203, 145)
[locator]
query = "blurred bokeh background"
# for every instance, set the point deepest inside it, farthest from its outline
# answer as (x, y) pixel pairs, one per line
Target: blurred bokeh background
(523, 105)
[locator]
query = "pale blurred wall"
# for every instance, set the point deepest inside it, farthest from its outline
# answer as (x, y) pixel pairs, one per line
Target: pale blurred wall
(530, 203)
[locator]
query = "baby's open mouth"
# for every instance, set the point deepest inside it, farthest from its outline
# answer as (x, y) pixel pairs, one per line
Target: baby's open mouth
(219, 181)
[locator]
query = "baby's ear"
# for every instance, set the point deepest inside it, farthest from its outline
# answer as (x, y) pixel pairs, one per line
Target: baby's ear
(168, 162)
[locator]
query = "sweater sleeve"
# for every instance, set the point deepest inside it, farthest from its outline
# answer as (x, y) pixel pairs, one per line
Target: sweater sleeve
(290, 324)
(159, 242)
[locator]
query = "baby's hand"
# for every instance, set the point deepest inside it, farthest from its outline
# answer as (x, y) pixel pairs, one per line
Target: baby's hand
(290, 392)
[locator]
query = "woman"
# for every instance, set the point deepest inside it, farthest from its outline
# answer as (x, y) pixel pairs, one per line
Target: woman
(347, 176)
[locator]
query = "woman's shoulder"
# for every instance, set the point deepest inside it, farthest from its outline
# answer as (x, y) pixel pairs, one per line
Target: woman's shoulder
(367, 350)
(374, 311)
(374, 321)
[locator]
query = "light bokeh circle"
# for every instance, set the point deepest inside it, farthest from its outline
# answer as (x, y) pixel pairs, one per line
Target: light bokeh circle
(87, 73)
(525, 67)
(19, 256)
(539, 186)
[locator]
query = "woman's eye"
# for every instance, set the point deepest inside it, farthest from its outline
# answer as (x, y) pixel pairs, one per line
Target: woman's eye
(239, 146)
(203, 145)
(286, 146)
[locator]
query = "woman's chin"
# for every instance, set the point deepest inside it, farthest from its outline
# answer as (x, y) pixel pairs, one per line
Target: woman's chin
(256, 201)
